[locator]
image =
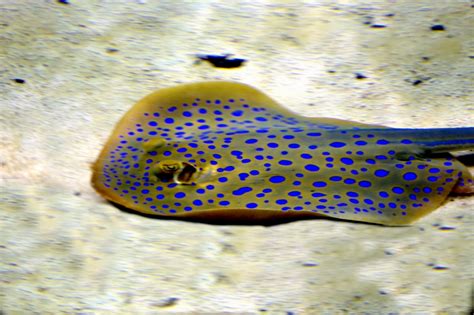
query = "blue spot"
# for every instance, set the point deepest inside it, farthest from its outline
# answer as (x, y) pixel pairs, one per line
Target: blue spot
(251, 205)
(369, 201)
(169, 120)
(251, 141)
(152, 124)
(318, 195)
(383, 194)
(349, 181)
(335, 178)
(237, 113)
(406, 141)
(288, 137)
(293, 146)
(370, 161)
(224, 203)
(197, 202)
(365, 183)
(200, 191)
(381, 173)
(273, 145)
(409, 176)
(241, 191)
(337, 144)
(222, 179)
(382, 142)
(427, 190)
(434, 170)
(320, 184)
(294, 193)
(398, 190)
(352, 194)
(347, 161)
(281, 201)
(311, 168)
(314, 134)
(236, 153)
(254, 172)
(360, 143)
(306, 156)
(432, 178)
(285, 162)
(180, 195)
(202, 111)
(187, 114)
(277, 179)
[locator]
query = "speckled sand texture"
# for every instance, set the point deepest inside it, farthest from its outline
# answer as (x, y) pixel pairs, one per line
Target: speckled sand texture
(69, 72)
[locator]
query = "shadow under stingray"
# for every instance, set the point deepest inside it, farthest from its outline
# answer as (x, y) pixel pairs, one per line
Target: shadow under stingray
(243, 220)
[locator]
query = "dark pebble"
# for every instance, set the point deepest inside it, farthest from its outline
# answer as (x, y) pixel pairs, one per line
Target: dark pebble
(447, 228)
(360, 76)
(310, 264)
(222, 61)
(63, 1)
(439, 267)
(20, 81)
(438, 27)
(378, 26)
(168, 302)
(416, 82)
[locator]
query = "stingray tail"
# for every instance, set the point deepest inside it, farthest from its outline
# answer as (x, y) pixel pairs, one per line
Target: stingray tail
(436, 140)
(440, 140)
(448, 139)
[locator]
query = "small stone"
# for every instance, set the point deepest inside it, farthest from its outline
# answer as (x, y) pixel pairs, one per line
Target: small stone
(167, 302)
(360, 76)
(437, 27)
(440, 267)
(378, 26)
(20, 81)
(446, 228)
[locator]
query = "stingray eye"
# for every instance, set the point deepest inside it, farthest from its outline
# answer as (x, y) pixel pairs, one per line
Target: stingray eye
(177, 171)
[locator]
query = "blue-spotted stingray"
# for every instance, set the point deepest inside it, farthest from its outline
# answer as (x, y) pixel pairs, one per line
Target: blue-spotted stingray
(224, 150)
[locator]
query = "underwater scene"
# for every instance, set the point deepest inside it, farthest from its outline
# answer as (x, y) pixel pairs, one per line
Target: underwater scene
(236, 157)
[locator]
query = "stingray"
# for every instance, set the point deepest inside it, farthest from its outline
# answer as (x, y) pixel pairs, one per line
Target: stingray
(226, 151)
